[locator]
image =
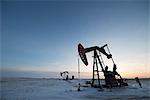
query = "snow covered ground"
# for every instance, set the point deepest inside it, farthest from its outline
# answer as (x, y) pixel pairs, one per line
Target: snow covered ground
(55, 89)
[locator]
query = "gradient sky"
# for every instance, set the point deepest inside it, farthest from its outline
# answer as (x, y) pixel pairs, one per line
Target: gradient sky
(42, 36)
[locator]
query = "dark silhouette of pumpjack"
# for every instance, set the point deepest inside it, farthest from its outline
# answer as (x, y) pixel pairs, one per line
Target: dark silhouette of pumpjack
(110, 79)
(64, 75)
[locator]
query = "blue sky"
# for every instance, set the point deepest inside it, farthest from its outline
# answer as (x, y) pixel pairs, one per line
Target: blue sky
(42, 36)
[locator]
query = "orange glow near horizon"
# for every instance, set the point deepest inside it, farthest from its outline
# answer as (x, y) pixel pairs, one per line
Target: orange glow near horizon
(129, 74)
(136, 73)
(126, 72)
(130, 66)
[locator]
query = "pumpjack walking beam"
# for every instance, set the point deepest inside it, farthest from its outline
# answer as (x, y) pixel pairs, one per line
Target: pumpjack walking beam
(82, 52)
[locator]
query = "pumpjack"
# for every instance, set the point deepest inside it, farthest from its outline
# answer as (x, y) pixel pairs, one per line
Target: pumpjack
(110, 76)
(64, 75)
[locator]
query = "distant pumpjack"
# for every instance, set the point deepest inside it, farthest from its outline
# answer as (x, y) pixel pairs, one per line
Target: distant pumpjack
(64, 75)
